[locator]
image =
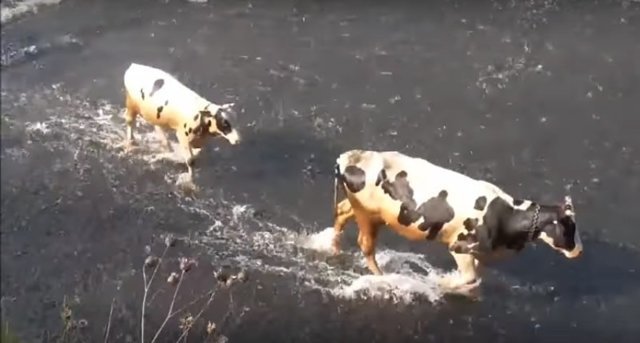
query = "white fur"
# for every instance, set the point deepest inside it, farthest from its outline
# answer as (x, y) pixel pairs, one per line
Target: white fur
(428, 179)
(183, 102)
(171, 104)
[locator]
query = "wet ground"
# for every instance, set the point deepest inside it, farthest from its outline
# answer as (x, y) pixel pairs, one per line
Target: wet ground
(539, 97)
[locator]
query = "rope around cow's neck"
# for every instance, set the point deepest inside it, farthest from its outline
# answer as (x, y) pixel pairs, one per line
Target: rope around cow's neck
(534, 222)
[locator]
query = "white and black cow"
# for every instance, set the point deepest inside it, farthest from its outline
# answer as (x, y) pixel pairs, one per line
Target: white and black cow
(166, 103)
(422, 201)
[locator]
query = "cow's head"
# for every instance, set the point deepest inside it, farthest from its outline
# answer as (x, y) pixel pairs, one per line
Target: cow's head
(219, 123)
(561, 232)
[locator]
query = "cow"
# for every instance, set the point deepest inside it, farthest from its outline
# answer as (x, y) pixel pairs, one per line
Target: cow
(419, 200)
(164, 102)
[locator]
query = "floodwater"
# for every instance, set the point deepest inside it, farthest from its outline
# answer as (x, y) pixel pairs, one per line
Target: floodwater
(538, 96)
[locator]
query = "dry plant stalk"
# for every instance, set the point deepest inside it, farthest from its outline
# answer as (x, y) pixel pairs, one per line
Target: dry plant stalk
(175, 279)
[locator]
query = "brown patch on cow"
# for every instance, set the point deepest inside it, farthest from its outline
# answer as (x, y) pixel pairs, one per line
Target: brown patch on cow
(157, 84)
(142, 93)
(196, 117)
(159, 110)
(354, 157)
(481, 203)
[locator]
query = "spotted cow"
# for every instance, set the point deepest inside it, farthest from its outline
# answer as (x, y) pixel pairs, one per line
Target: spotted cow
(163, 101)
(422, 201)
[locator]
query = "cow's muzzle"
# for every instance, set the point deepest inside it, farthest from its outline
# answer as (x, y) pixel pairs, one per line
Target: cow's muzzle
(233, 137)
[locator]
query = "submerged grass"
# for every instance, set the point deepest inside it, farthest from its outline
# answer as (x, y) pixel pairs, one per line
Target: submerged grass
(7, 336)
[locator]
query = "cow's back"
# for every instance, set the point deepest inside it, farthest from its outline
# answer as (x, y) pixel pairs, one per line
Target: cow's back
(468, 197)
(177, 101)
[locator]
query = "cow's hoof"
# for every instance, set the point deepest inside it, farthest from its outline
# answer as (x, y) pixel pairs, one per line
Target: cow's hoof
(129, 146)
(186, 185)
(454, 284)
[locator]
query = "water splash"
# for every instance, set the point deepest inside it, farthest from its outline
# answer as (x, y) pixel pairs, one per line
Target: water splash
(20, 8)
(413, 277)
(320, 241)
(234, 233)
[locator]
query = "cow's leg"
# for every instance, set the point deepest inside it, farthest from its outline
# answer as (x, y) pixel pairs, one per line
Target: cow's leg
(187, 151)
(130, 114)
(344, 212)
(467, 277)
(162, 135)
(367, 236)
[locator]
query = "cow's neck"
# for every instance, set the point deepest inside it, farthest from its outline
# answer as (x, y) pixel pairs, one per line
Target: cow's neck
(524, 224)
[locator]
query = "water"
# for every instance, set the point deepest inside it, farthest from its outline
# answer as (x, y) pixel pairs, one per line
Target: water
(538, 97)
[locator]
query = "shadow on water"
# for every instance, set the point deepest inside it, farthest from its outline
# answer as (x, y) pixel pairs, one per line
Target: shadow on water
(270, 164)
(604, 269)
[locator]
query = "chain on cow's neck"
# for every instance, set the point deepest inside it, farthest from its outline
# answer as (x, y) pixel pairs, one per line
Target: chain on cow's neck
(534, 224)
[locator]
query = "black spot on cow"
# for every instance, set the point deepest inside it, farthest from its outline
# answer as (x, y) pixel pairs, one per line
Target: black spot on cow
(354, 178)
(400, 190)
(470, 223)
(142, 93)
(568, 233)
(185, 126)
(407, 216)
(467, 237)
(196, 117)
(518, 202)
(159, 110)
(464, 242)
(157, 84)
(436, 212)
(222, 123)
(503, 226)
(382, 176)
(481, 203)
(186, 133)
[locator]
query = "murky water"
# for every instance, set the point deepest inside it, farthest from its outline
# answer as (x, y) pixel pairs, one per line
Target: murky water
(537, 96)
